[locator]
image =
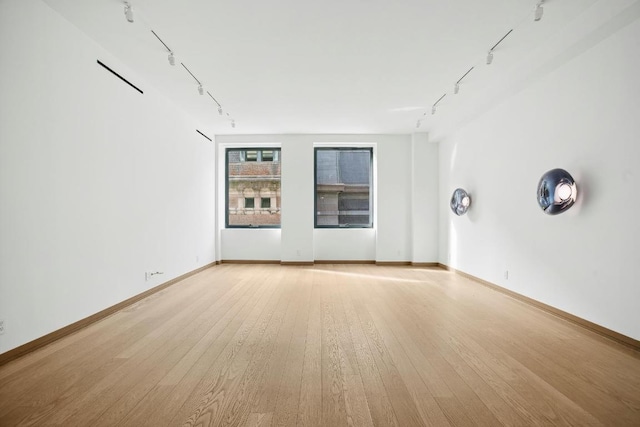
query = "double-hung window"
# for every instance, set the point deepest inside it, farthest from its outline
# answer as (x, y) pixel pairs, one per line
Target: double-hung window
(343, 187)
(253, 187)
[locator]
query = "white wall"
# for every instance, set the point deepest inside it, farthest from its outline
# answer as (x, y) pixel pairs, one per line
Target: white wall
(297, 201)
(424, 195)
(392, 237)
(98, 183)
(393, 234)
(581, 114)
(335, 244)
(244, 244)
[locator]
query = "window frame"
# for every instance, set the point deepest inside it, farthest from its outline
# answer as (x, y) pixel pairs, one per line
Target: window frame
(371, 185)
(276, 158)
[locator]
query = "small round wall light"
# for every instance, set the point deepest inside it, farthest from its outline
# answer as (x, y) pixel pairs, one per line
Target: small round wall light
(557, 191)
(460, 202)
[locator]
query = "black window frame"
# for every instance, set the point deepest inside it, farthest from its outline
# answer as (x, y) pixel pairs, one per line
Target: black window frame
(315, 186)
(277, 158)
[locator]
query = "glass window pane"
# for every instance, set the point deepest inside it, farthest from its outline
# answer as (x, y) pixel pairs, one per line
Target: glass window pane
(343, 187)
(251, 156)
(267, 155)
(249, 179)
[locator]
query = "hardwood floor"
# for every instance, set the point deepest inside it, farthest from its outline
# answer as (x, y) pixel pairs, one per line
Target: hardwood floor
(325, 345)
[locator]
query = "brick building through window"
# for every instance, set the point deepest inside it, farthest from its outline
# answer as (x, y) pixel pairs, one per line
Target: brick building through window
(253, 187)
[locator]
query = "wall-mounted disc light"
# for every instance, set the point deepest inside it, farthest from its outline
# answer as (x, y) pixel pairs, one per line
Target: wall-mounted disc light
(557, 191)
(460, 202)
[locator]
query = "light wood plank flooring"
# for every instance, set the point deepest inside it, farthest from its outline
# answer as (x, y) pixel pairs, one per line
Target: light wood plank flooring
(325, 345)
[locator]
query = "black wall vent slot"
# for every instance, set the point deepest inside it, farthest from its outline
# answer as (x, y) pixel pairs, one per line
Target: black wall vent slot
(120, 77)
(203, 134)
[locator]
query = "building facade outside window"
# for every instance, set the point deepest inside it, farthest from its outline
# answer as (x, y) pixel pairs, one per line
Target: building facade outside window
(253, 187)
(343, 187)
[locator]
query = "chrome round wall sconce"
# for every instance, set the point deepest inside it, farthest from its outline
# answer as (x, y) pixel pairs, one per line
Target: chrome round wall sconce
(557, 191)
(460, 202)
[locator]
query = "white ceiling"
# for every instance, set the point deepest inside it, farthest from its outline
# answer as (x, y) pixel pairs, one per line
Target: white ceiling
(327, 66)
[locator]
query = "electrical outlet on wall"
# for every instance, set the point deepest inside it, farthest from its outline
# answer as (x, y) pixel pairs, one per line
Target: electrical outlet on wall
(2, 326)
(148, 275)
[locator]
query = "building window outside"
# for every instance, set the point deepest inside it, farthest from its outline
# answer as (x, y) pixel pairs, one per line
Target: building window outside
(343, 187)
(269, 155)
(250, 155)
(253, 179)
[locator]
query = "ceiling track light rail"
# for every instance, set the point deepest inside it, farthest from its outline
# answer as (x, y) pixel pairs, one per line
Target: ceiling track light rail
(490, 53)
(503, 37)
(171, 58)
(216, 101)
(128, 12)
(200, 88)
(456, 88)
(189, 71)
(163, 43)
(537, 15)
(433, 108)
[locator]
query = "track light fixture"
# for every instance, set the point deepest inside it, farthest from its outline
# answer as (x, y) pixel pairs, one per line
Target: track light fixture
(217, 103)
(456, 88)
(537, 15)
(433, 108)
(171, 57)
(128, 13)
(172, 60)
(490, 54)
(538, 12)
(200, 88)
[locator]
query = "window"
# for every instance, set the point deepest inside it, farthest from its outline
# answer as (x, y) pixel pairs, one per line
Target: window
(269, 155)
(343, 187)
(252, 174)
